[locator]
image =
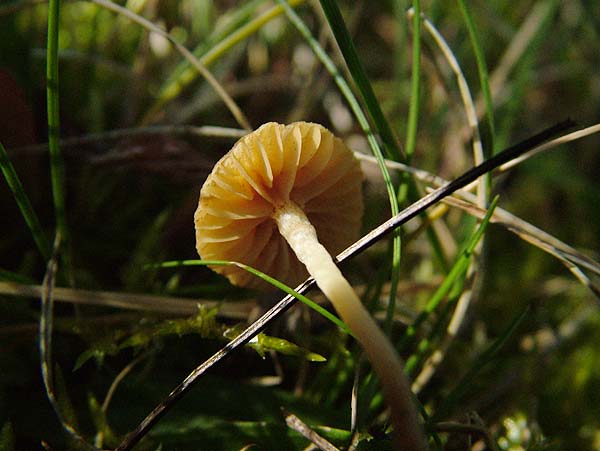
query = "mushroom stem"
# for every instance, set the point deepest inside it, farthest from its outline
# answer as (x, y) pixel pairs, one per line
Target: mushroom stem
(295, 227)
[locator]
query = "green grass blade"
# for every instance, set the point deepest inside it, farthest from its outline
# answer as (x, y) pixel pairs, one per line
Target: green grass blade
(415, 90)
(457, 271)
(347, 93)
(452, 280)
(482, 69)
(344, 41)
(24, 204)
(56, 161)
(276, 283)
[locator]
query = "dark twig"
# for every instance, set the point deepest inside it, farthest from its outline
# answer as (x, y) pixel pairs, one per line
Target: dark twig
(366, 241)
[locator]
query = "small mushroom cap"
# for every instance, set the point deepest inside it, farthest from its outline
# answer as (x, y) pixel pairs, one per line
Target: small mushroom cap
(302, 163)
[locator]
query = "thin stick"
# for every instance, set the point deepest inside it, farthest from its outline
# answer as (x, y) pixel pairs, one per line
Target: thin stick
(366, 241)
(578, 134)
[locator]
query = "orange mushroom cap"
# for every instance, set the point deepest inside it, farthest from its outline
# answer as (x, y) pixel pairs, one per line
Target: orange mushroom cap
(303, 163)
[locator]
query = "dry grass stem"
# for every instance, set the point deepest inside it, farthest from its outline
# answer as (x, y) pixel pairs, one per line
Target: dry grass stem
(129, 301)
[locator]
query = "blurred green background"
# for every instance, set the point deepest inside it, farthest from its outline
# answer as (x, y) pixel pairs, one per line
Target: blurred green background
(132, 178)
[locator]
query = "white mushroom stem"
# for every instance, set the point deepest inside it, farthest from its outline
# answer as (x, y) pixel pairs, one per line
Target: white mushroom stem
(295, 227)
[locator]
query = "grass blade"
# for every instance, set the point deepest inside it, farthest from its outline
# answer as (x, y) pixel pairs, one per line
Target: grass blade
(467, 99)
(24, 204)
(276, 283)
(572, 259)
(454, 276)
(57, 172)
(482, 69)
(415, 82)
(342, 36)
(457, 270)
(17, 285)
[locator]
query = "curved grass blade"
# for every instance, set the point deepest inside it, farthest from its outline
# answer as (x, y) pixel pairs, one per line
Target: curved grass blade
(234, 109)
(45, 344)
(261, 275)
(11, 177)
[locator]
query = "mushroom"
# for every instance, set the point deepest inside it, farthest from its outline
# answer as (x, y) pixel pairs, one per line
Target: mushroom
(282, 200)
